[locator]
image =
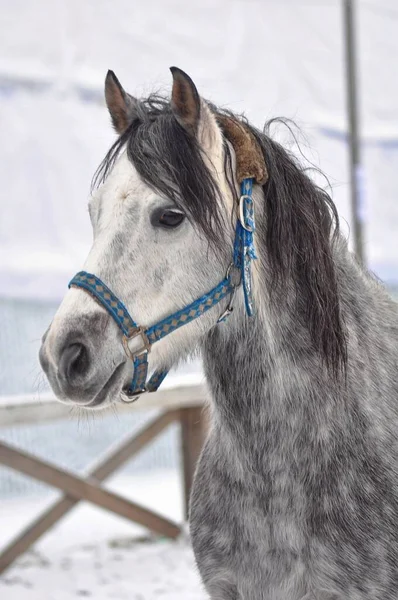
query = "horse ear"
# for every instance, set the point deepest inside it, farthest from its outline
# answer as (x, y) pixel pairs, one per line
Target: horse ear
(121, 105)
(185, 101)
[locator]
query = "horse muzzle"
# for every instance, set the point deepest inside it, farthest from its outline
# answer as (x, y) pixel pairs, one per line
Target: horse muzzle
(76, 364)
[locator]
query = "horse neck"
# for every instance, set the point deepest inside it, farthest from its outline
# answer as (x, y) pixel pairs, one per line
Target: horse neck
(253, 377)
(270, 388)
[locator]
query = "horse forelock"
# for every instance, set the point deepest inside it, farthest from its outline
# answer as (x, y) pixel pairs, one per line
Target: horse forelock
(171, 162)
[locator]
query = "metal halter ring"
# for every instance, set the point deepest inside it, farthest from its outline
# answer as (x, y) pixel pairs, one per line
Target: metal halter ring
(146, 344)
(126, 398)
(236, 284)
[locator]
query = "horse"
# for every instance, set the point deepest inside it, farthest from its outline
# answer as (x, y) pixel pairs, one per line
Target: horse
(296, 490)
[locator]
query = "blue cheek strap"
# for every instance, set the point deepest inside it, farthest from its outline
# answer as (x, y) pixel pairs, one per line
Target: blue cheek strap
(243, 254)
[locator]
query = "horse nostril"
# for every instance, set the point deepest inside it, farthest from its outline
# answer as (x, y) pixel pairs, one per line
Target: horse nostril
(74, 362)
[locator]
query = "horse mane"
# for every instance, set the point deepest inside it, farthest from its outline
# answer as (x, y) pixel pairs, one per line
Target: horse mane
(301, 230)
(301, 219)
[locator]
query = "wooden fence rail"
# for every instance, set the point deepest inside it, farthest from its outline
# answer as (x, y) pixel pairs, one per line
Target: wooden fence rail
(187, 410)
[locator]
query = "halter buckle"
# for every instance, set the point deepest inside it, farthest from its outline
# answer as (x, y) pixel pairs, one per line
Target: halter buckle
(245, 219)
(146, 344)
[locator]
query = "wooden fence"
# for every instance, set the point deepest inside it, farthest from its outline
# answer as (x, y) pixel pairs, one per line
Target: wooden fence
(183, 403)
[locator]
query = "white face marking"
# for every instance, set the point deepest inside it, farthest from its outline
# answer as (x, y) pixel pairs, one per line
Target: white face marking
(147, 267)
(154, 271)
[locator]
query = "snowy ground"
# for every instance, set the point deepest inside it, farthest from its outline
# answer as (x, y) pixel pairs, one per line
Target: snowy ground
(94, 554)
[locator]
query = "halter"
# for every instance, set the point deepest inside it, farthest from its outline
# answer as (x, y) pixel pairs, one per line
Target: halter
(238, 273)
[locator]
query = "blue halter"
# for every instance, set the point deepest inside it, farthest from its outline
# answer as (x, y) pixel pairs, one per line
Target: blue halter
(242, 256)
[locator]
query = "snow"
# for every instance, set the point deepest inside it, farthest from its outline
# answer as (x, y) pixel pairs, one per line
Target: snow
(95, 554)
(119, 569)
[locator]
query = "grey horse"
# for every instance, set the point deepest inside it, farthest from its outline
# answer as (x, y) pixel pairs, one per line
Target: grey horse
(296, 490)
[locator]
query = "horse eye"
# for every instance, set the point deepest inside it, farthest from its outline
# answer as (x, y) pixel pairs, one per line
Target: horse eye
(169, 218)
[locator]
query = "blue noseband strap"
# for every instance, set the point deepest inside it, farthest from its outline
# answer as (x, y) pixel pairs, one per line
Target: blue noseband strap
(242, 256)
(102, 294)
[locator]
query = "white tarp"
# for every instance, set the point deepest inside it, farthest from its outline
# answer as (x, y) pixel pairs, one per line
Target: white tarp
(265, 57)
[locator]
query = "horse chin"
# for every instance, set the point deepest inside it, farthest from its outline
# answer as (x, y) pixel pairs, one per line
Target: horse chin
(111, 391)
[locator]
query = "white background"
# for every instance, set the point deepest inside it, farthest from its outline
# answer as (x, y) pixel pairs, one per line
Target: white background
(264, 57)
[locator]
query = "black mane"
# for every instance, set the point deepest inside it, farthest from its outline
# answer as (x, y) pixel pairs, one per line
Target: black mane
(301, 218)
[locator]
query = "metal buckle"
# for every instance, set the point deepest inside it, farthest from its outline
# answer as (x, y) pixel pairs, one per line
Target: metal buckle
(146, 347)
(241, 212)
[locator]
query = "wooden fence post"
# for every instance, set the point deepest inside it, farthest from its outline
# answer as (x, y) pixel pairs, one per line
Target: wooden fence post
(182, 403)
(193, 429)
